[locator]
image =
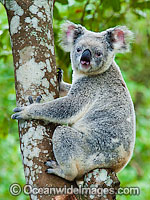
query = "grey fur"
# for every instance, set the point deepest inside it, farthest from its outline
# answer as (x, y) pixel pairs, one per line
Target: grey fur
(97, 108)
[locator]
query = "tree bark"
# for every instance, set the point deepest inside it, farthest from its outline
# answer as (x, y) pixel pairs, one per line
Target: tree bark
(103, 185)
(31, 32)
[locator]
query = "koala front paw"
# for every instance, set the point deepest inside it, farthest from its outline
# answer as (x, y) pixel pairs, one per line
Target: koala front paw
(22, 113)
(19, 113)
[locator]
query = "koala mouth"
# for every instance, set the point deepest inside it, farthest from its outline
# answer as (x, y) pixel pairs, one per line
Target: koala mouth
(85, 59)
(85, 64)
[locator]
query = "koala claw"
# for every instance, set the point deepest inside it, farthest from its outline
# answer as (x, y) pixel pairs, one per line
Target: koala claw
(18, 109)
(49, 171)
(18, 113)
(16, 116)
(51, 163)
(59, 75)
(38, 99)
(30, 99)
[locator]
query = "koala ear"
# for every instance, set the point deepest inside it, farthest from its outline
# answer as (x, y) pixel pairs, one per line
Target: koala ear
(69, 33)
(119, 39)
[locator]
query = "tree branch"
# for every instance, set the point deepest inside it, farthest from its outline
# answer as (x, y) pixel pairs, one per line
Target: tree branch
(30, 25)
(103, 185)
(83, 14)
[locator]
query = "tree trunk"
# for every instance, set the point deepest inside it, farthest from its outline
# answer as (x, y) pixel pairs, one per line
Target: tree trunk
(31, 32)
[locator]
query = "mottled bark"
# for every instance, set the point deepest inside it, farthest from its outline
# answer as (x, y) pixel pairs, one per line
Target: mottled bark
(30, 24)
(103, 185)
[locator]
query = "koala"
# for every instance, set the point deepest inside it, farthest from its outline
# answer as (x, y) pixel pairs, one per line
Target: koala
(96, 110)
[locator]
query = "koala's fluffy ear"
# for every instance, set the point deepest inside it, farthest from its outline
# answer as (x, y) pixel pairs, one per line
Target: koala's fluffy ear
(69, 33)
(120, 38)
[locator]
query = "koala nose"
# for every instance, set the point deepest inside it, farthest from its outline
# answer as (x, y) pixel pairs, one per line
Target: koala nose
(86, 57)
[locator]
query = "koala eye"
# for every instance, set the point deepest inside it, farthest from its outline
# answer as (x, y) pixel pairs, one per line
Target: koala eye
(98, 53)
(79, 49)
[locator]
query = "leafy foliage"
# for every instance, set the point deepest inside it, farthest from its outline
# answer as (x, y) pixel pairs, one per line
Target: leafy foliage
(97, 16)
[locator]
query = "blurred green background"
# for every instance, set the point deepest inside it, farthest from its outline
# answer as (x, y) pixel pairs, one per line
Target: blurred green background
(135, 66)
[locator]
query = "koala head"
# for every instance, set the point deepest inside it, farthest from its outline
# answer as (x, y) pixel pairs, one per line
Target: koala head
(91, 52)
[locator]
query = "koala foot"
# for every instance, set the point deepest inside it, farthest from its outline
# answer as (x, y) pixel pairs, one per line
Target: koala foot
(54, 168)
(51, 163)
(57, 172)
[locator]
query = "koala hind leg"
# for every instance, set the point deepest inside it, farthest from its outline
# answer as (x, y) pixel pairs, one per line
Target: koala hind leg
(67, 146)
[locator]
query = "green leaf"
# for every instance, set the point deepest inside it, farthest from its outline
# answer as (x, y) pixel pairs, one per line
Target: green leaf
(116, 5)
(141, 5)
(79, 1)
(62, 1)
(56, 13)
(148, 38)
(90, 7)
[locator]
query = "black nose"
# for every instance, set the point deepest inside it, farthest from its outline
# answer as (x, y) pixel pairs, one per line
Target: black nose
(86, 56)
